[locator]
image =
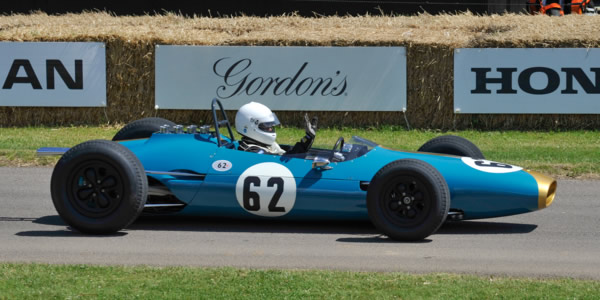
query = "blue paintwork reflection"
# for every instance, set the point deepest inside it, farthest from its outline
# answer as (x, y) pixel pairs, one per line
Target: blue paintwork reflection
(321, 194)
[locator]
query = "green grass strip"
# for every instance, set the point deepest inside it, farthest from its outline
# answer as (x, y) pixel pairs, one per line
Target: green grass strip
(40, 281)
(574, 154)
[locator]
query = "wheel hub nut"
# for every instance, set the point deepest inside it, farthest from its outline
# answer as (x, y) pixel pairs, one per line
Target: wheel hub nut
(406, 200)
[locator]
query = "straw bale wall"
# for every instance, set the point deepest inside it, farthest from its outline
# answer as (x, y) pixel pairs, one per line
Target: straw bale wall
(429, 40)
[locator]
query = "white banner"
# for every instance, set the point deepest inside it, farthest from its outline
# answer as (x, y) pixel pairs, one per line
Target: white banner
(52, 74)
(527, 81)
(282, 78)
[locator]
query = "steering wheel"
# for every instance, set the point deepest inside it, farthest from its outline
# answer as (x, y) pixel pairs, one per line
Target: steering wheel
(339, 143)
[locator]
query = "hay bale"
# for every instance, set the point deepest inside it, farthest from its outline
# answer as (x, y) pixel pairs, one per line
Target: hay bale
(430, 42)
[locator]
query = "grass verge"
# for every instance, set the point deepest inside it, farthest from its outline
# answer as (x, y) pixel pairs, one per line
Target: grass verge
(40, 281)
(571, 154)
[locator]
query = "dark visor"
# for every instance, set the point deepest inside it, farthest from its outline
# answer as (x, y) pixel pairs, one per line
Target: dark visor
(268, 126)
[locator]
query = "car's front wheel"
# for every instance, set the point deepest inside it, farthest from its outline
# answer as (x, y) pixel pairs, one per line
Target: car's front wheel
(408, 200)
(99, 187)
(453, 145)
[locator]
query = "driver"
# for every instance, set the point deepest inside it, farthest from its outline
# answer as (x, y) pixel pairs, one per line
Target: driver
(256, 123)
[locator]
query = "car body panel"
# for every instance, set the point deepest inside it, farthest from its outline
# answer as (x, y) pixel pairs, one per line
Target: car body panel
(320, 193)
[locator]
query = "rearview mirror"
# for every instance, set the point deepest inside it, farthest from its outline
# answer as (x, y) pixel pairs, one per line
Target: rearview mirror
(321, 163)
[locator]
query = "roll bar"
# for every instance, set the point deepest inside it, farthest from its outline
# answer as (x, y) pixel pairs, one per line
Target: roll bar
(219, 123)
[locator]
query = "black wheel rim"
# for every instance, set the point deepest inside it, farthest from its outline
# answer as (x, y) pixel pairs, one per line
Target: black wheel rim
(97, 189)
(406, 201)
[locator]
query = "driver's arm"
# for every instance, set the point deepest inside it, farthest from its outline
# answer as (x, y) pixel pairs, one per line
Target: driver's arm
(306, 142)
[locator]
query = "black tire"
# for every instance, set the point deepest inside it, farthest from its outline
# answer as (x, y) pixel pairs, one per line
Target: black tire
(141, 129)
(99, 187)
(408, 200)
(453, 145)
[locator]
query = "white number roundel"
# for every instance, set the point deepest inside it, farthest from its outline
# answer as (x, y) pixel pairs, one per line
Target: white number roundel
(266, 189)
(490, 166)
(222, 165)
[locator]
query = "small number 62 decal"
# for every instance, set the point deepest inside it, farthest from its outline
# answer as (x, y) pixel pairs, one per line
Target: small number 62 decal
(222, 165)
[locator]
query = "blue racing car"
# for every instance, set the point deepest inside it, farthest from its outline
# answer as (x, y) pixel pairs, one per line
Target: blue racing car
(157, 167)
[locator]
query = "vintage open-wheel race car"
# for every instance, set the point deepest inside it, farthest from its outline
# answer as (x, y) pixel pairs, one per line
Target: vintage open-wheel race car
(157, 167)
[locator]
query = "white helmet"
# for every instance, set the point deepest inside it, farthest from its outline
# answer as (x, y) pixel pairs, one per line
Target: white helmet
(256, 121)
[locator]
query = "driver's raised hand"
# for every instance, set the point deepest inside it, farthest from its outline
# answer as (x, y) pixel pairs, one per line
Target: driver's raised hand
(310, 127)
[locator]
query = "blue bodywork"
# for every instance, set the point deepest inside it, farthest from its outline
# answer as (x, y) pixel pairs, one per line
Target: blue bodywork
(337, 191)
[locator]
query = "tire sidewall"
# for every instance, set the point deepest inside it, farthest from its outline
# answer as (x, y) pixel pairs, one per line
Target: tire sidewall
(436, 186)
(124, 162)
(142, 128)
(452, 145)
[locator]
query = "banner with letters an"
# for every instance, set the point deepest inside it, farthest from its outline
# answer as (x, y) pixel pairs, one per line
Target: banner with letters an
(283, 78)
(527, 81)
(52, 74)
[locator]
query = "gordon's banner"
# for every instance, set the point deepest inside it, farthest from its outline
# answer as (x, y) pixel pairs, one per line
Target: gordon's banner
(283, 78)
(527, 81)
(52, 74)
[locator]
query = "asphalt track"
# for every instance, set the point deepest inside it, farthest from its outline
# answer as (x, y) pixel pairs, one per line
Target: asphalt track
(560, 241)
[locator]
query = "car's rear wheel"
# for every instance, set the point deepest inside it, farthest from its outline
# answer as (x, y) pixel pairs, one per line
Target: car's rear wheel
(453, 145)
(408, 200)
(99, 187)
(140, 129)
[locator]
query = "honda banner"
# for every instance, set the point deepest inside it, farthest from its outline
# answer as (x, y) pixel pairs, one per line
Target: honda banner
(53, 74)
(527, 81)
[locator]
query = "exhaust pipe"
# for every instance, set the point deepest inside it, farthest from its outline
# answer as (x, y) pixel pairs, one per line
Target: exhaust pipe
(546, 189)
